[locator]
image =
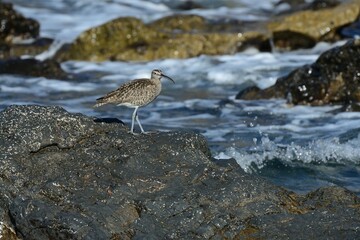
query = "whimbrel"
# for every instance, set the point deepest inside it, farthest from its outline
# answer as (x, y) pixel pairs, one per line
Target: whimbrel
(134, 94)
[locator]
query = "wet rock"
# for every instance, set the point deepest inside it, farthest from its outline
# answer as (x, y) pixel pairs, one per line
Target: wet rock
(351, 31)
(333, 78)
(323, 4)
(65, 176)
(19, 36)
(182, 23)
(14, 26)
(119, 39)
(7, 231)
(185, 36)
(305, 28)
(294, 4)
(33, 67)
(33, 48)
(318, 208)
(301, 5)
(188, 5)
(179, 36)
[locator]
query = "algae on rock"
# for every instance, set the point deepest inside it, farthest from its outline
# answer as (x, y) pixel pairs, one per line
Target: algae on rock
(171, 37)
(305, 28)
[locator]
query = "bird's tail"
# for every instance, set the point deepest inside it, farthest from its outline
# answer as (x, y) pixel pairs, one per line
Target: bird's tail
(99, 102)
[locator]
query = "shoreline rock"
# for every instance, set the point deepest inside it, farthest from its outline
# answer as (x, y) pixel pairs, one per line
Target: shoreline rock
(332, 79)
(63, 176)
(178, 36)
(186, 36)
(304, 29)
(15, 28)
(32, 67)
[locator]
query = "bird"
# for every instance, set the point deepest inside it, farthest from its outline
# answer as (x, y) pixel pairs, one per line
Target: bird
(135, 94)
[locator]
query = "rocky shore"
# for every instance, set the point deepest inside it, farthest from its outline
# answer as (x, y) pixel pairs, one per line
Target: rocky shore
(69, 176)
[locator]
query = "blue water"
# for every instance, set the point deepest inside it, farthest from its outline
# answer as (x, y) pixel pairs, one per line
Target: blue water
(298, 147)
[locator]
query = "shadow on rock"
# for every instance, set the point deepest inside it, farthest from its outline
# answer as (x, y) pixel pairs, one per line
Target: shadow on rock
(108, 120)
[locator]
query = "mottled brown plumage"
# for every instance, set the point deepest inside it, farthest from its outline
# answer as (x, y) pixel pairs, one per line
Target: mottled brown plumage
(139, 92)
(135, 94)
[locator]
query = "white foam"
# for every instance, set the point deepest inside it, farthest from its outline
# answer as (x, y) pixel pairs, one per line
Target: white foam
(40, 86)
(65, 20)
(329, 150)
(261, 68)
(1, 229)
(54, 85)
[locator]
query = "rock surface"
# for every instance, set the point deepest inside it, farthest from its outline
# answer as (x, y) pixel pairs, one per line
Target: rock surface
(182, 36)
(66, 176)
(15, 28)
(333, 78)
(304, 29)
(33, 67)
(15, 50)
(185, 36)
(172, 37)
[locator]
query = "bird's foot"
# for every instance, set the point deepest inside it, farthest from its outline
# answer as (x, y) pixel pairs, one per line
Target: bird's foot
(134, 133)
(143, 132)
(148, 133)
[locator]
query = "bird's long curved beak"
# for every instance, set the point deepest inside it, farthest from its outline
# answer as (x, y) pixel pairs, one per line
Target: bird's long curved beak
(168, 77)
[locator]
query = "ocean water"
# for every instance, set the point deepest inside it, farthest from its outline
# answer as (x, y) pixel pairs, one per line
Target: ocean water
(298, 147)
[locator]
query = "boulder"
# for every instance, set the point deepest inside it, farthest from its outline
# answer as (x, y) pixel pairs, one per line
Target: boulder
(333, 79)
(181, 23)
(19, 35)
(33, 48)
(178, 36)
(32, 67)
(69, 176)
(14, 26)
(304, 29)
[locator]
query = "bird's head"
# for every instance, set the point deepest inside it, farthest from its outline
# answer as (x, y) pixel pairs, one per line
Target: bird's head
(157, 74)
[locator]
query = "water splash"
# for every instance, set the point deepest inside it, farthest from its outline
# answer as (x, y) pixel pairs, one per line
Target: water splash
(320, 151)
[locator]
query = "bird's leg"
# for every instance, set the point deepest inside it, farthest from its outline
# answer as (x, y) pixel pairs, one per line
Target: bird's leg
(133, 120)
(138, 121)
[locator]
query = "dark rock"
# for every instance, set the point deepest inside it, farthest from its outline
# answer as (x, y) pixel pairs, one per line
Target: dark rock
(329, 197)
(108, 120)
(188, 5)
(323, 4)
(34, 48)
(65, 176)
(247, 90)
(248, 93)
(319, 208)
(291, 3)
(16, 27)
(333, 78)
(351, 31)
(300, 5)
(33, 67)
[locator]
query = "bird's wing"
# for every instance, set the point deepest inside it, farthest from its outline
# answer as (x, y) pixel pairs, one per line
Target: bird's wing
(125, 92)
